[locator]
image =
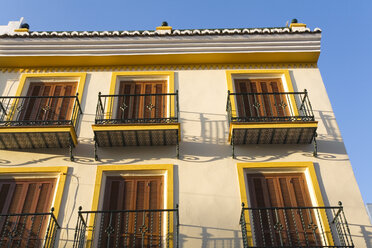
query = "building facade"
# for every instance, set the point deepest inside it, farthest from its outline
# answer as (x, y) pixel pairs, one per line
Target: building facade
(172, 138)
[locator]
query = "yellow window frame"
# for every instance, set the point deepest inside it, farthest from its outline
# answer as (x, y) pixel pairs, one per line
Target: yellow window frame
(59, 171)
(304, 167)
(283, 74)
(23, 87)
(165, 169)
(117, 76)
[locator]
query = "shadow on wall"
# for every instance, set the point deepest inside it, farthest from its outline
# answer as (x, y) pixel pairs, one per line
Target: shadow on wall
(8, 85)
(327, 118)
(207, 240)
(84, 154)
(213, 127)
(365, 234)
(69, 215)
(364, 231)
(210, 144)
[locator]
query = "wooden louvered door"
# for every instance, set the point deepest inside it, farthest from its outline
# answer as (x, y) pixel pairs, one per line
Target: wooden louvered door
(134, 193)
(261, 105)
(282, 190)
(24, 196)
(136, 103)
(48, 109)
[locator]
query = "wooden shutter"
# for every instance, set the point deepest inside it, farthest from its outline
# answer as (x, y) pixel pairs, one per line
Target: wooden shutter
(133, 193)
(57, 108)
(25, 196)
(137, 107)
(261, 105)
(31, 106)
(281, 190)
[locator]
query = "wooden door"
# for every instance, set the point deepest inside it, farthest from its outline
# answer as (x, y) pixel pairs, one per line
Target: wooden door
(137, 103)
(276, 227)
(261, 104)
(48, 109)
(24, 196)
(133, 193)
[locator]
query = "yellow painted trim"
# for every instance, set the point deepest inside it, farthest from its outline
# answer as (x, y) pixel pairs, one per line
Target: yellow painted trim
(135, 127)
(40, 129)
(164, 28)
(160, 59)
(129, 127)
(162, 67)
(243, 168)
(21, 30)
(262, 125)
(168, 168)
(62, 170)
(80, 75)
(274, 125)
(149, 74)
(80, 87)
(297, 25)
(230, 84)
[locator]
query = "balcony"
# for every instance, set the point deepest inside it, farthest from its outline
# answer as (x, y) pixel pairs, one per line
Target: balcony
(295, 227)
(270, 118)
(137, 120)
(39, 122)
(127, 228)
(28, 230)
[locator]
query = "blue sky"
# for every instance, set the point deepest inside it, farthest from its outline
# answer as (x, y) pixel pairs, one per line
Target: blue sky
(345, 62)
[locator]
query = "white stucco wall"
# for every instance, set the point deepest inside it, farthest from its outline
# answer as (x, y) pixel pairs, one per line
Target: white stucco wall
(205, 179)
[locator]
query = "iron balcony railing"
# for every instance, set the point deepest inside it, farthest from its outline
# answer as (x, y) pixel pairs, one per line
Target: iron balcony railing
(269, 107)
(28, 230)
(127, 228)
(137, 108)
(295, 227)
(39, 110)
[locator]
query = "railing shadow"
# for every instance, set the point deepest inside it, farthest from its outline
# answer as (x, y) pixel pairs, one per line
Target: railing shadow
(204, 138)
(365, 235)
(207, 239)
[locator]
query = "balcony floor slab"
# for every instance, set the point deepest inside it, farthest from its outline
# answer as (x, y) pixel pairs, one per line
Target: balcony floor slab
(272, 133)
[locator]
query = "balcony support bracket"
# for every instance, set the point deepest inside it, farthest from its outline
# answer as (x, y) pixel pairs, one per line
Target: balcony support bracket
(70, 150)
(233, 145)
(95, 149)
(315, 153)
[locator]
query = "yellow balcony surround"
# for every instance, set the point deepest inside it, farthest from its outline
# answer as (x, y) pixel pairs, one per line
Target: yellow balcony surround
(35, 118)
(132, 118)
(276, 117)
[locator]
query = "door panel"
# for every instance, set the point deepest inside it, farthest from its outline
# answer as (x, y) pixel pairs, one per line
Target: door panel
(48, 109)
(261, 104)
(24, 196)
(276, 218)
(132, 106)
(133, 193)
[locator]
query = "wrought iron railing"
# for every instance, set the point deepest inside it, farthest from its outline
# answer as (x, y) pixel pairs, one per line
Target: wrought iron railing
(269, 107)
(28, 230)
(295, 227)
(137, 108)
(127, 228)
(39, 110)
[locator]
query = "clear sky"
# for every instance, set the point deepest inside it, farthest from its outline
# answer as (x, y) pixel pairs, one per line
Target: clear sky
(345, 61)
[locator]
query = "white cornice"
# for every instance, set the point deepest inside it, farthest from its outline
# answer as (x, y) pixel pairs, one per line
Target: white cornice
(299, 42)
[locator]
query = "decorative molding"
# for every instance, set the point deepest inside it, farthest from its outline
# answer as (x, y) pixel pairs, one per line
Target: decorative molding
(175, 32)
(160, 45)
(159, 68)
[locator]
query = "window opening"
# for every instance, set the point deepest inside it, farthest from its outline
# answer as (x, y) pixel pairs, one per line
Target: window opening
(282, 212)
(48, 102)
